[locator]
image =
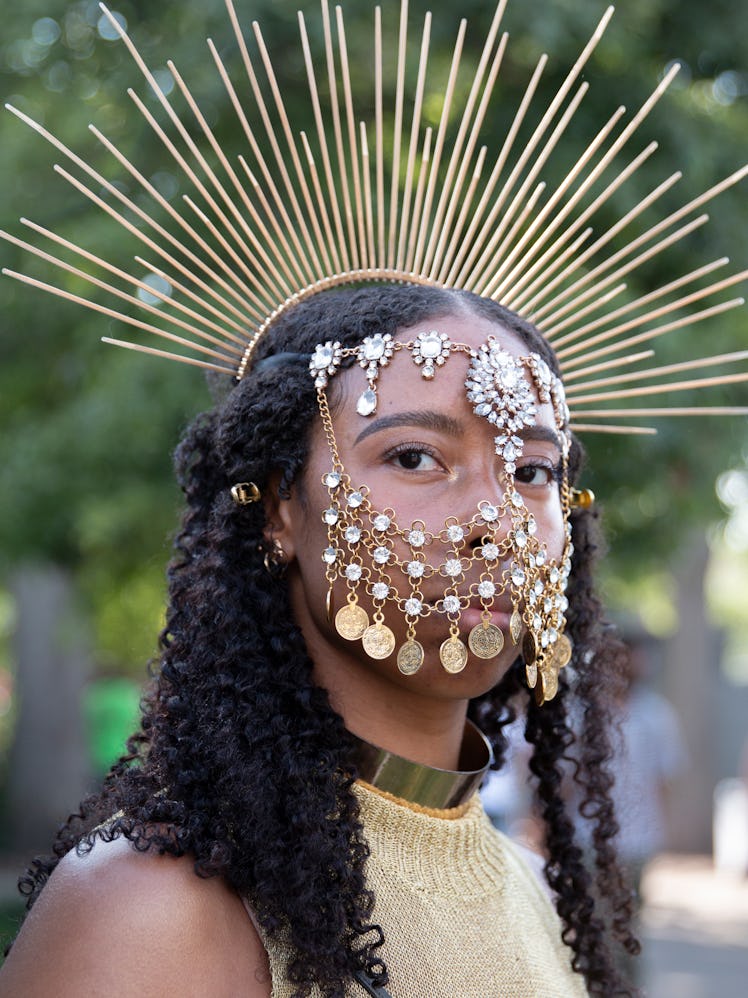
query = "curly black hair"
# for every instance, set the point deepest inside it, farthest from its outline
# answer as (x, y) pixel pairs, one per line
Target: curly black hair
(240, 755)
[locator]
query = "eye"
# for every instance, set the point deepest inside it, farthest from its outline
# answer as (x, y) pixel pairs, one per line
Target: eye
(537, 473)
(413, 457)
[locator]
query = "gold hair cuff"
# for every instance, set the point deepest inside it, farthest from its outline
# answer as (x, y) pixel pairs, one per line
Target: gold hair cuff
(245, 493)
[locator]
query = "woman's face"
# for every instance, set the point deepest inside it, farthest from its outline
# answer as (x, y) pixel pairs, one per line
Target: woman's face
(425, 454)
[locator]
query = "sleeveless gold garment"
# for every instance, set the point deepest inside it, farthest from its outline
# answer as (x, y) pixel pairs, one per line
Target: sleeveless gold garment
(462, 914)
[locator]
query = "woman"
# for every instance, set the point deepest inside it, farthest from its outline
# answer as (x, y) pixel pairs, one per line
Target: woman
(324, 867)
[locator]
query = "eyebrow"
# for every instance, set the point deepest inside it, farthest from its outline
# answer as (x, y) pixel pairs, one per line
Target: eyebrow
(430, 419)
(427, 419)
(541, 433)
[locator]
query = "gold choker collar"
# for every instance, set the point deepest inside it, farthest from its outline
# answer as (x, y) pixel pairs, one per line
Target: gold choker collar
(425, 785)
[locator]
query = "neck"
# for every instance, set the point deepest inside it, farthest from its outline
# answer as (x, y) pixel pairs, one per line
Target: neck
(427, 786)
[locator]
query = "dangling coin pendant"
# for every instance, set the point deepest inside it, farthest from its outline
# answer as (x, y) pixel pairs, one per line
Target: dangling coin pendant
(485, 640)
(531, 672)
(351, 621)
(453, 654)
(410, 657)
(378, 640)
(515, 626)
(562, 653)
(529, 648)
(550, 683)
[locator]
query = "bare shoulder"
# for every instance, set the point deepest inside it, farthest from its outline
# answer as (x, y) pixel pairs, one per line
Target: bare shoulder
(117, 921)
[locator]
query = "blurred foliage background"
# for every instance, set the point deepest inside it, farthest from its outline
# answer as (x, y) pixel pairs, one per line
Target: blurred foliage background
(87, 431)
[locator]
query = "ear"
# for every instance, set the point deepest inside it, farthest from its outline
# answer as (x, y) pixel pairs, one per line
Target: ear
(280, 517)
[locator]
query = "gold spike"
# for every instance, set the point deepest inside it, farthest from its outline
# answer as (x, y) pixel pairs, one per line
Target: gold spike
(250, 314)
(337, 248)
(338, 131)
(450, 186)
(695, 410)
(143, 285)
(113, 314)
(403, 245)
(299, 260)
(660, 292)
(438, 148)
(487, 282)
(352, 136)
(621, 430)
(651, 334)
(663, 386)
(606, 365)
(397, 132)
(642, 320)
(471, 280)
(476, 233)
(546, 269)
(652, 372)
(379, 148)
(154, 352)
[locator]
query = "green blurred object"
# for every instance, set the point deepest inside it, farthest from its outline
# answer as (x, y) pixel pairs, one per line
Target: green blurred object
(111, 711)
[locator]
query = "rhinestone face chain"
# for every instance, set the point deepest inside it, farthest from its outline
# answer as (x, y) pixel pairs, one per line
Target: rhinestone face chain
(365, 545)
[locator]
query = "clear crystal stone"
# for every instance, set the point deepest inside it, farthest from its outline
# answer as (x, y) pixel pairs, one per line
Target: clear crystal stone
(353, 534)
(413, 606)
(453, 567)
(380, 590)
(532, 599)
(553, 635)
(415, 569)
(489, 513)
(539, 587)
(540, 558)
(381, 555)
(544, 639)
(367, 403)
(353, 572)
(451, 604)
(322, 356)
(486, 589)
(330, 555)
(374, 347)
(416, 538)
(332, 479)
(532, 526)
(490, 552)
(537, 623)
(381, 522)
(482, 409)
(517, 500)
(520, 538)
(330, 516)
(554, 576)
(355, 499)
(455, 533)
(518, 576)
(430, 345)
(547, 605)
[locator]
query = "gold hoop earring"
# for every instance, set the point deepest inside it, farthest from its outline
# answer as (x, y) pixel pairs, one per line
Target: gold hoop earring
(275, 559)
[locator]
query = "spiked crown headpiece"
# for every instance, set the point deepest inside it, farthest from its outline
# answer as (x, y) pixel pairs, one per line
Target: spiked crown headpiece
(397, 200)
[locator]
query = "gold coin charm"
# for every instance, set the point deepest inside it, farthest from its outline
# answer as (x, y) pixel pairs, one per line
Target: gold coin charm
(485, 640)
(531, 672)
(378, 640)
(562, 652)
(529, 648)
(351, 621)
(453, 654)
(550, 683)
(515, 626)
(410, 657)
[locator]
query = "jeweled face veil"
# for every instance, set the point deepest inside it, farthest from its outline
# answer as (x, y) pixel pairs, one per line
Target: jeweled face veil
(492, 552)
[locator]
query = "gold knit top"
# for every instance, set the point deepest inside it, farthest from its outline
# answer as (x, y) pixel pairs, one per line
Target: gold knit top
(463, 916)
